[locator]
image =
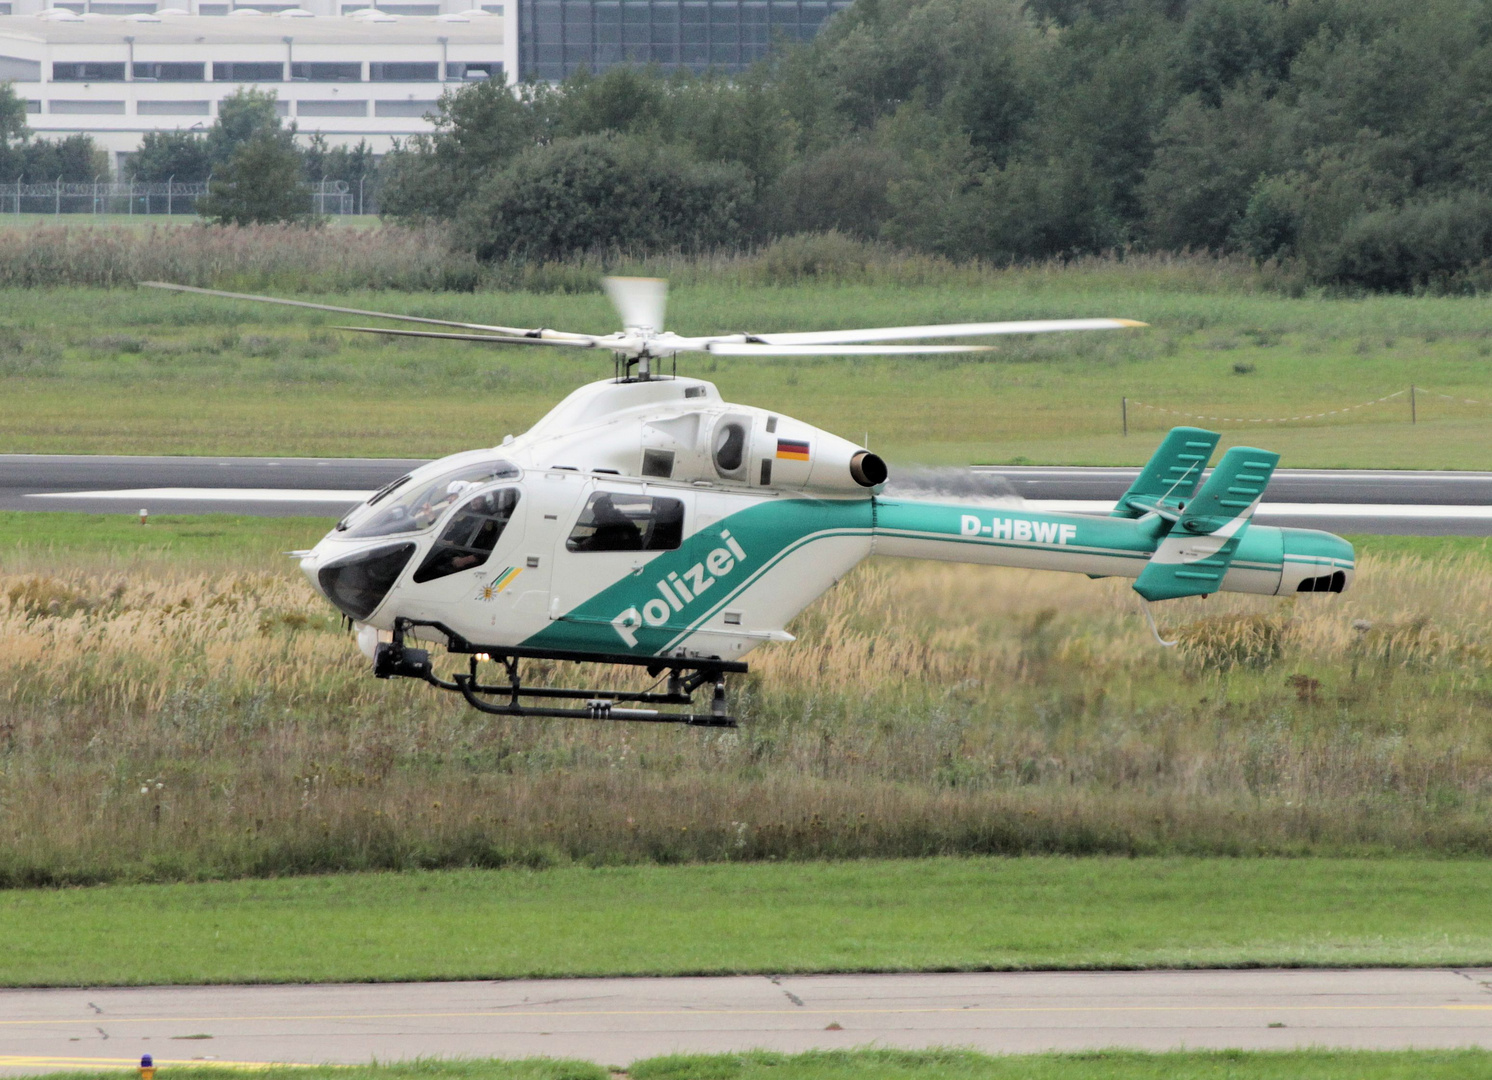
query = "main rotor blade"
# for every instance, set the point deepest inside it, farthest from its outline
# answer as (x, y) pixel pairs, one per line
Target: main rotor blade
(898, 333)
(639, 301)
(493, 339)
(733, 349)
(516, 331)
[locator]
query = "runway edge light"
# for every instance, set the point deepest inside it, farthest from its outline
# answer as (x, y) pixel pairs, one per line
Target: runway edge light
(147, 1067)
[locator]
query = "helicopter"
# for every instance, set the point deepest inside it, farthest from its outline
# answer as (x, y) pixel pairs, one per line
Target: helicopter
(645, 521)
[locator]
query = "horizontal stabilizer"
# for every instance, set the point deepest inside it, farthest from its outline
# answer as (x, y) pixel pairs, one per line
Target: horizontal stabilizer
(1171, 475)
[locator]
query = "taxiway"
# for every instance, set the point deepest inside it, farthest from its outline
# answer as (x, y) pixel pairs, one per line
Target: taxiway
(617, 1021)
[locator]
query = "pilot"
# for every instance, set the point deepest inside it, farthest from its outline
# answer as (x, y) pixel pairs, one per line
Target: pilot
(614, 530)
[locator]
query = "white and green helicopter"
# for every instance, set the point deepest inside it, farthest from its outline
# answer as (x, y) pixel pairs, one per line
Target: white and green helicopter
(645, 521)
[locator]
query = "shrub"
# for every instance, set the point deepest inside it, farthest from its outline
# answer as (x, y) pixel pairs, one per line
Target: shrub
(1224, 642)
(602, 192)
(1425, 245)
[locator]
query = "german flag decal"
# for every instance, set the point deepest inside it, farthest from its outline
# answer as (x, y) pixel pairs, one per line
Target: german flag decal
(792, 449)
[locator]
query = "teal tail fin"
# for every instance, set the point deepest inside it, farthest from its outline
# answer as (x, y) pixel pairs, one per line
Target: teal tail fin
(1194, 558)
(1232, 491)
(1172, 473)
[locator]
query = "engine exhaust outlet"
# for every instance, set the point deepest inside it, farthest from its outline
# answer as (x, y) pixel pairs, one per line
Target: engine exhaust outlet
(867, 469)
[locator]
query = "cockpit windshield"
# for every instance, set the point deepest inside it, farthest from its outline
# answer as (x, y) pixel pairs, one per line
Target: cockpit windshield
(418, 504)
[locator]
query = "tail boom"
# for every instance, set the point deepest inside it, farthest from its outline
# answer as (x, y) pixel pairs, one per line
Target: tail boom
(1268, 561)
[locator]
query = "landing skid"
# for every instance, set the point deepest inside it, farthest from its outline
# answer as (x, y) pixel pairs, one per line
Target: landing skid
(686, 675)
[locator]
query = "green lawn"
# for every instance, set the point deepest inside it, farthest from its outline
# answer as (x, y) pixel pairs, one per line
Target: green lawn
(901, 1065)
(891, 915)
(1101, 1065)
(126, 371)
(240, 537)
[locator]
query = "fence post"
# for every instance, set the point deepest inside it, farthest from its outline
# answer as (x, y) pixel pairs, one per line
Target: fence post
(57, 196)
(361, 180)
(19, 181)
(132, 196)
(1124, 413)
(171, 180)
(1413, 412)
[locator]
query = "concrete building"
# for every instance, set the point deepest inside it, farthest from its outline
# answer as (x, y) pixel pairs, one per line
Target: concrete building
(119, 69)
(349, 69)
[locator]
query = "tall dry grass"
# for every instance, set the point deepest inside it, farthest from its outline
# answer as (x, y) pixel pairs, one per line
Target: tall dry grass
(180, 720)
(423, 258)
(232, 256)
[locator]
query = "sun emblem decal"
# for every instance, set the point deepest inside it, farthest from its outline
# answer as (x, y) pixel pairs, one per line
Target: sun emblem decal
(490, 589)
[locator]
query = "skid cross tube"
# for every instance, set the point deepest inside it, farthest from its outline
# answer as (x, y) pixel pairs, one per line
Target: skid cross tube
(685, 676)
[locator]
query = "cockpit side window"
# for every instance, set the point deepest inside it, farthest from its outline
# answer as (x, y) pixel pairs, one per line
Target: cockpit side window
(618, 522)
(470, 536)
(416, 505)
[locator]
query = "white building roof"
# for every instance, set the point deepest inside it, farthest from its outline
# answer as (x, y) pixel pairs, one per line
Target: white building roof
(239, 29)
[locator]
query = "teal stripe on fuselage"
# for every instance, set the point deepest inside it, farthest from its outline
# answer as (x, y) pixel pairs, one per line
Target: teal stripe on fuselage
(1261, 548)
(771, 529)
(766, 531)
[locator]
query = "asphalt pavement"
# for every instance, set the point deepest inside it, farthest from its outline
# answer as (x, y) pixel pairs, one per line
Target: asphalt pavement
(618, 1021)
(1343, 501)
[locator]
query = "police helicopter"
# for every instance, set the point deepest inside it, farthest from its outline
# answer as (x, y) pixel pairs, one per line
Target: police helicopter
(645, 521)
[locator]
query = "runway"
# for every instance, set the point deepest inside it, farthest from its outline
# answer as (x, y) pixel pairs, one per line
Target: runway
(618, 1021)
(1343, 501)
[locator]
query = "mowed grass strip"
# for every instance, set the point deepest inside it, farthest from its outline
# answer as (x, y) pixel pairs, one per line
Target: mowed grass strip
(942, 914)
(898, 1065)
(135, 371)
(1100, 1065)
(242, 538)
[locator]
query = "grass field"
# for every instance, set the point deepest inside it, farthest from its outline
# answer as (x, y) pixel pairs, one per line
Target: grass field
(926, 709)
(139, 372)
(871, 915)
(904, 1065)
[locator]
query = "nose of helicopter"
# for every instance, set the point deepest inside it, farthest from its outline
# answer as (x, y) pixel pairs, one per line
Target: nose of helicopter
(355, 582)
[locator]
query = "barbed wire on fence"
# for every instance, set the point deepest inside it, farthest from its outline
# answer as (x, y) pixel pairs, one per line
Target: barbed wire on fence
(125, 196)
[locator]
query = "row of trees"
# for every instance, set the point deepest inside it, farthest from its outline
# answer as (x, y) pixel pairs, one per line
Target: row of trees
(73, 158)
(247, 116)
(258, 166)
(1354, 136)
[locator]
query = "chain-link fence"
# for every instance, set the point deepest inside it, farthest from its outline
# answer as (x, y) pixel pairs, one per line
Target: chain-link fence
(160, 197)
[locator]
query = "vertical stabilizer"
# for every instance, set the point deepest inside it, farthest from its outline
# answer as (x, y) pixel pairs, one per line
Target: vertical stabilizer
(1172, 473)
(1194, 558)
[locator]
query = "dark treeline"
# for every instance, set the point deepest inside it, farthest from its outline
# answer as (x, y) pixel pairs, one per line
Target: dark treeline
(1349, 138)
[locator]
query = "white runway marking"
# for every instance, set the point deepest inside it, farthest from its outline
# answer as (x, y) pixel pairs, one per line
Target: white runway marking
(1409, 511)
(187, 494)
